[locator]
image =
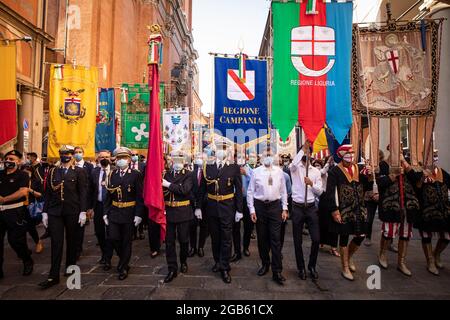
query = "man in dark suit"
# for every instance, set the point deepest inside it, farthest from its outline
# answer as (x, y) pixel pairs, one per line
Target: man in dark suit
(65, 206)
(199, 207)
(224, 207)
(123, 208)
(98, 187)
(177, 187)
(87, 167)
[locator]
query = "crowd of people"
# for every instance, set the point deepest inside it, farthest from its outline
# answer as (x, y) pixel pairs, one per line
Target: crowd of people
(334, 203)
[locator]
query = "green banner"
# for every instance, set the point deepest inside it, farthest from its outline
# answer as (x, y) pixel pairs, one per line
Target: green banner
(134, 109)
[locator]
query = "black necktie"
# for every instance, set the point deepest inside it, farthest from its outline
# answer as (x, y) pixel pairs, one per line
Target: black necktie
(220, 166)
(103, 173)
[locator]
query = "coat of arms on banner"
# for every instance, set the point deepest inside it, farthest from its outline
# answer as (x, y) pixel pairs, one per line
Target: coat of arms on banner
(312, 41)
(176, 128)
(237, 89)
(72, 110)
(103, 117)
(396, 71)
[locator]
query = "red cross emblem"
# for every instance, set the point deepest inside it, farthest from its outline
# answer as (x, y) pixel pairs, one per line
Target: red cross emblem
(393, 60)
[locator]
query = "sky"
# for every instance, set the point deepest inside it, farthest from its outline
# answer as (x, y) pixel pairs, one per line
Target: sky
(218, 26)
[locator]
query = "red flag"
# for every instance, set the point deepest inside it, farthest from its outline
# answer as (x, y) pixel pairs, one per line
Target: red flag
(153, 192)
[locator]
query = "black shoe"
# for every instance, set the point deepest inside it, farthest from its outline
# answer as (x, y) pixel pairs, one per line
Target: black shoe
(226, 277)
(314, 274)
(107, 266)
(184, 268)
(172, 275)
(302, 274)
(236, 257)
(278, 278)
(201, 253)
(102, 261)
(48, 283)
(28, 268)
(246, 253)
(263, 270)
(123, 274)
(192, 252)
(215, 268)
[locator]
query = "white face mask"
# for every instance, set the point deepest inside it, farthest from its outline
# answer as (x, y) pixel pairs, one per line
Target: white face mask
(122, 163)
(198, 161)
(221, 155)
(178, 166)
(268, 161)
(348, 157)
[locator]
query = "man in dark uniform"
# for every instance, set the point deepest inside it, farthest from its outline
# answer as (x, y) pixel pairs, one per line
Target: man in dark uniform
(87, 167)
(138, 165)
(224, 192)
(98, 187)
(177, 187)
(13, 191)
(200, 221)
(123, 208)
(65, 206)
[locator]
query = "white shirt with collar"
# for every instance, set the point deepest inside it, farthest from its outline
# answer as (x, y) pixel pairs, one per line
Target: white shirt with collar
(80, 163)
(223, 162)
(298, 174)
(100, 178)
(260, 189)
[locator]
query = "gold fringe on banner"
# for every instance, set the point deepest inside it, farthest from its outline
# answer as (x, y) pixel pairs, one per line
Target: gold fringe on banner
(374, 142)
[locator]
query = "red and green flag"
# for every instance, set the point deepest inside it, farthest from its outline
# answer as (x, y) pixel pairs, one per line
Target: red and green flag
(312, 64)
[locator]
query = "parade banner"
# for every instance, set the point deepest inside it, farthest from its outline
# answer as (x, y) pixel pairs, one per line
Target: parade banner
(312, 57)
(176, 128)
(134, 114)
(73, 107)
(105, 133)
(396, 69)
(240, 103)
(8, 110)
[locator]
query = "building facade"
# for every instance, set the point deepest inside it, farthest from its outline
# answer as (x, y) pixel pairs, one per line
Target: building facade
(108, 34)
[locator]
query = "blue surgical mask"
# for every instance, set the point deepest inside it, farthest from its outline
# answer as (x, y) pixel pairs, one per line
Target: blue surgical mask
(122, 163)
(78, 156)
(199, 162)
(135, 158)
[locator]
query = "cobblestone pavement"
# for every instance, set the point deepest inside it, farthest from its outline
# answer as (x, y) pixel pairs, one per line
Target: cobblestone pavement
(146, 276)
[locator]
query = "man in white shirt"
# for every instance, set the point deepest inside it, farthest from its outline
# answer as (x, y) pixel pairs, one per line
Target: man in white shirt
(267, 203)
(305, 210)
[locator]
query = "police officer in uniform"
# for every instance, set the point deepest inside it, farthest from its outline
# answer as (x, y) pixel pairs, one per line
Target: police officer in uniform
(123, 207)
(177, 187)
(224, 207)
(13, 191)
(65, 206)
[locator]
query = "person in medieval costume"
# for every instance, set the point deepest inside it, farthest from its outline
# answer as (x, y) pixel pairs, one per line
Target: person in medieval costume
(434, 216)
(398, 205)
(345, 202)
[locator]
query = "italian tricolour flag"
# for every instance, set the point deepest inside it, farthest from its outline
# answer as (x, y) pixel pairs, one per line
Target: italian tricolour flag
(312, 64)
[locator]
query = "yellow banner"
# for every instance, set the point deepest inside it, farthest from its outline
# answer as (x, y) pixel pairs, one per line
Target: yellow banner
(73, 107)
(321, 141)
(8, 71)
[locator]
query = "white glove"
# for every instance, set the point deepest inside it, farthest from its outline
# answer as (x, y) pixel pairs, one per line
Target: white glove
(238, 216)
(45, 219)
(198, 214)
(82, 218)
(137, 221)
(165, 183)
(105, 218)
